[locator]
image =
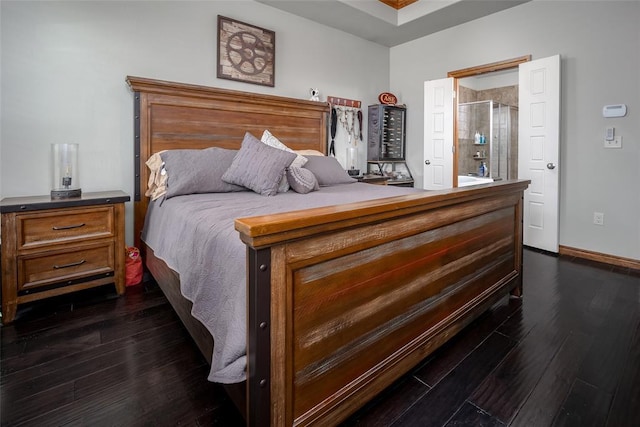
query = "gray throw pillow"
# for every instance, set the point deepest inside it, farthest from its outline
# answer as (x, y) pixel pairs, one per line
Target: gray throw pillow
(328, 171)
(198, 171)
(258, 166)
(301, 180)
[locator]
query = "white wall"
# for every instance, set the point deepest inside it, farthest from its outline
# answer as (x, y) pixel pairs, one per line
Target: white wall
(63, 67)
(599, 43)
(64, 64)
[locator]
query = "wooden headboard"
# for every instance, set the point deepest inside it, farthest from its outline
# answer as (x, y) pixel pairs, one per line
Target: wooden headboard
(169, 116)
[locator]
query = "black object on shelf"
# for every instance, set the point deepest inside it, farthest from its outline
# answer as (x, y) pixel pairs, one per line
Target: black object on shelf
(386, 139)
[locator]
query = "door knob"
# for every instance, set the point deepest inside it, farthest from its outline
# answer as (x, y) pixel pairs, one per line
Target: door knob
(427, 162)
(551, 166)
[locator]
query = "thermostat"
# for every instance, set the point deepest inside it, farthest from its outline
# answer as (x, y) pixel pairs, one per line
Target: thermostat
(618, 110)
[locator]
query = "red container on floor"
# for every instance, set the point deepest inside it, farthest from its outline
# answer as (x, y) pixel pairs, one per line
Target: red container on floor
(133, 266)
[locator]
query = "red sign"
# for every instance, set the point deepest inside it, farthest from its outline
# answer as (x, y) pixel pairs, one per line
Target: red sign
(387, 98)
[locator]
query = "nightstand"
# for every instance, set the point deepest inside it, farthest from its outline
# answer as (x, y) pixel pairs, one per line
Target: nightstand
(396, 170)
(52, 247)
(373, 179)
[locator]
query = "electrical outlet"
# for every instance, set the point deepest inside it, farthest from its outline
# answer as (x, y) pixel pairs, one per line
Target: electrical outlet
(615, 142)
(598, 218)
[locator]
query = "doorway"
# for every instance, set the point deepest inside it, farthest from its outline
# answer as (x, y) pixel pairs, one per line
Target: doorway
(487, 132)
(480, 78)
(538, 140)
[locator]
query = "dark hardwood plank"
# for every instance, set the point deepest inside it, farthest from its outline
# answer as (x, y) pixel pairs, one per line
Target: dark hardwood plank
(612, 339)
(146, 361)
(85, 307)
(165, 395)
(454, 351)
(472, 416)
(18, 412)
(534, 308)
(156, 378)
(547, 396)
(437, 406)
(391, 404)
(39, 349)
(96, 378)
(585, 406)
(546, 320)
(503, 390)
(626, 402)
(42, 377)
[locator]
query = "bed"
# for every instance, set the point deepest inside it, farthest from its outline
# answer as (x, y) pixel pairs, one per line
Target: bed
(341, 300)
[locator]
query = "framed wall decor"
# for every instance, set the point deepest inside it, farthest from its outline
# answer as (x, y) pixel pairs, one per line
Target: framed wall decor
(245, 52)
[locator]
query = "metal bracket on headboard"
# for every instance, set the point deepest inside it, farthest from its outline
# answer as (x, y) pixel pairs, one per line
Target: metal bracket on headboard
(136, 146)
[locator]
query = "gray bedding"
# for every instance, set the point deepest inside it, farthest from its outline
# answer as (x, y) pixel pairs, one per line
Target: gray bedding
(195, 236)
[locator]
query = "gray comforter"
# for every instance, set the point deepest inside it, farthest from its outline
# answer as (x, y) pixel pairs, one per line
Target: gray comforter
(195, 236)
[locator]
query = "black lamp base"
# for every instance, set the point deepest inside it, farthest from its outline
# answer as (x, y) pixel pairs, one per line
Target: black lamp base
(66, 194)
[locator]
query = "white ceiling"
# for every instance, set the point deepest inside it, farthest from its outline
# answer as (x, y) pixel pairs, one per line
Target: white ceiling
(382, 24)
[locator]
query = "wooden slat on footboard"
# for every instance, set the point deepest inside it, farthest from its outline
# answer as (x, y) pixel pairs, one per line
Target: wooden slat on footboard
(357, 302)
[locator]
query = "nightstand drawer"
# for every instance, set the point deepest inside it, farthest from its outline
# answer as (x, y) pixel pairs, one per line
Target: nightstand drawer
(56, 267)
(41, 229)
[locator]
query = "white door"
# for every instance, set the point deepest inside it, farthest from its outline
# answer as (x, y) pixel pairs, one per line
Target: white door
(438, 134)
(538, 150)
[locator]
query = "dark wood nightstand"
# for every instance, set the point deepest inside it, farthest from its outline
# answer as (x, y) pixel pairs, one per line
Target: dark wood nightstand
(373, 179)
(52, 247)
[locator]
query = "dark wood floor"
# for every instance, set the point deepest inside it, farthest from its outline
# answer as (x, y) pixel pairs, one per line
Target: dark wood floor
(566, 354)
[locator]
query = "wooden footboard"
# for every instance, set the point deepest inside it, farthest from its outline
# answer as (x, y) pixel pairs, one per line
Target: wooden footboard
(344, 300)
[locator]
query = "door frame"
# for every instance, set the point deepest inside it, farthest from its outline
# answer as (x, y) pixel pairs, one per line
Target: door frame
(470, 72)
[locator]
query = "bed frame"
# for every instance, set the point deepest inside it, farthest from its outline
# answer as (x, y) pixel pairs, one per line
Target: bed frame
(342, 300)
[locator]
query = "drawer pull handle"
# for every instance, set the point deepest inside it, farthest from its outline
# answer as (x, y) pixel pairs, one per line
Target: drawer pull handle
(73, 264)
(67, 227)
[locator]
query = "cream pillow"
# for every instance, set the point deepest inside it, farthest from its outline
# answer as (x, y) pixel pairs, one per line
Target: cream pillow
(309, 152)
(299, 161)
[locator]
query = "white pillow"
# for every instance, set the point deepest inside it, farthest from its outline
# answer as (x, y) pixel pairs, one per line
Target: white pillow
(299, 161)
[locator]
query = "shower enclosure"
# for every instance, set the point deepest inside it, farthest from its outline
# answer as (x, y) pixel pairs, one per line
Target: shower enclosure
(497, 125)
